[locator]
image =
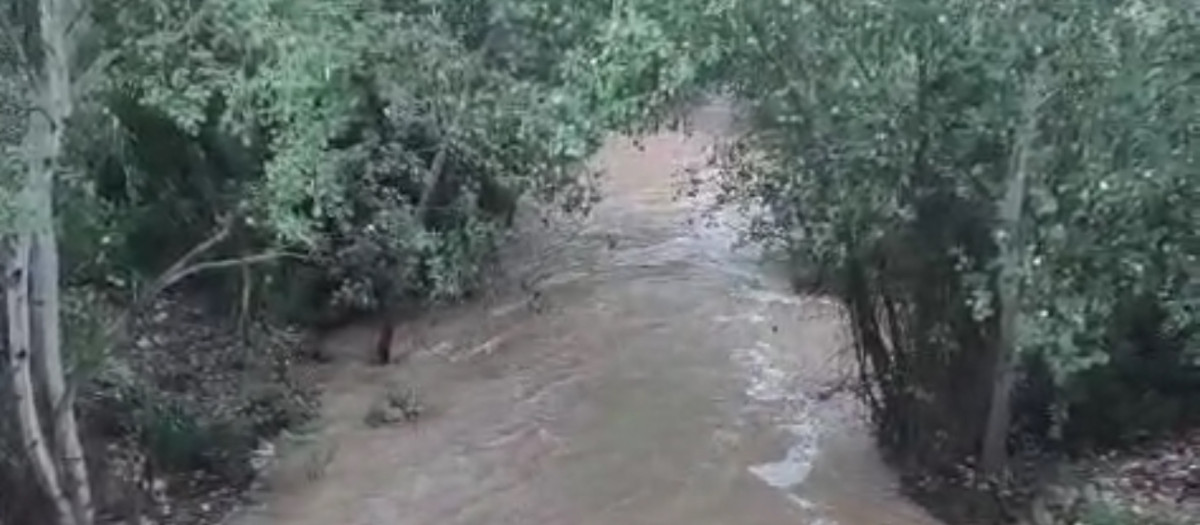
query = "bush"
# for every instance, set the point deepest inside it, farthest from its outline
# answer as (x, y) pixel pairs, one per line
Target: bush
(384, 145)
(886, 144)
(1098, 514)
(1147, 388)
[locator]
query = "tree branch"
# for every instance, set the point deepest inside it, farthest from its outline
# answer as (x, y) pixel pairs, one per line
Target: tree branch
(217, 265)
(177, 272)
(94, 70)
(184, 267)
(221, 234)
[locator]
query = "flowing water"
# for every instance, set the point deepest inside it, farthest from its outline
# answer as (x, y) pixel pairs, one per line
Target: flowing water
(662, 377)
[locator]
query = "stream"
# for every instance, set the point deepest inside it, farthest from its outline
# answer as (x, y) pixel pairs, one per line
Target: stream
(663, 377)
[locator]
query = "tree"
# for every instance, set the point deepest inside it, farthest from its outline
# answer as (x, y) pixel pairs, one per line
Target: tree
(32, 269)
(1012, 260)
(391, 160)
(970, 224)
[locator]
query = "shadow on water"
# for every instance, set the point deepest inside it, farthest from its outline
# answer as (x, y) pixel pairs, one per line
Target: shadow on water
(664, 379)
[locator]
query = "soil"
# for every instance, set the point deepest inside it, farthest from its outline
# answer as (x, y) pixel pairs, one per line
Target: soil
(172, 423)
(1157, 482)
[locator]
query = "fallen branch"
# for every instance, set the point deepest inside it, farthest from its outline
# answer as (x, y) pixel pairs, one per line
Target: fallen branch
(160, 284)
(221, 234)
(184, 268)
(184, 273)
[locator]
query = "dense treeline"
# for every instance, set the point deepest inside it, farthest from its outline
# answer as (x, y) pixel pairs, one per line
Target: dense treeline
(1004, 196)
(1001, 193)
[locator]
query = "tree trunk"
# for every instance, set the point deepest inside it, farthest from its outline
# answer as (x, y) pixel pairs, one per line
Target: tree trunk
(995, 449)
(383, 345)
(20, 357)
(46, 323)
(44, 149)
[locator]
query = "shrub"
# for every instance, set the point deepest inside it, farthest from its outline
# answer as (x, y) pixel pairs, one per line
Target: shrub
(383, 144)
(886, 142)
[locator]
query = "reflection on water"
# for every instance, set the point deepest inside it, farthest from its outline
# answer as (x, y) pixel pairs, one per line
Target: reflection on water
(666, 380)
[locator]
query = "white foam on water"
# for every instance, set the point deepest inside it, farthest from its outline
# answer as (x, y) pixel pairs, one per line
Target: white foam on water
(792, 469)
(801, 502)
(772, 297)
(771, 389)
(767, 382)
(752, 318)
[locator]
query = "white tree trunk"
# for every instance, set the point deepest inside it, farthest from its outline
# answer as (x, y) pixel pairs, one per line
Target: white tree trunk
(46, 149)
(20, 356)
(47, 324)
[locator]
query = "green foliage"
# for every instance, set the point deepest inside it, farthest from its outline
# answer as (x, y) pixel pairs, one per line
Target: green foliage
(882, 144)
(1103, 514)
(386, 141)
(1148, 387)
(13, 119)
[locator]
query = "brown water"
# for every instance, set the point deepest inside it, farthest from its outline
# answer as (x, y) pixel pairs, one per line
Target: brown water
(667, 379)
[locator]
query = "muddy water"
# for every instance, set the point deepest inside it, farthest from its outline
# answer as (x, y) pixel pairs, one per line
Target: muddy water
(661, 378)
